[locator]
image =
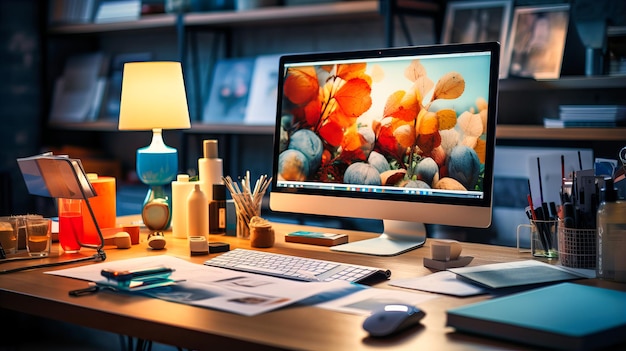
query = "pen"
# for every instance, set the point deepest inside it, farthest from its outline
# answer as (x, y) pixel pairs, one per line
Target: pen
(580, 161)
(91, 289)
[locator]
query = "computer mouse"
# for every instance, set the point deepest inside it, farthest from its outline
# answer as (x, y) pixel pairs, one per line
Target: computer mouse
(392, 319)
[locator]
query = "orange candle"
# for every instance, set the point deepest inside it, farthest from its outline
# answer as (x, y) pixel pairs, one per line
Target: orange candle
(103, 206)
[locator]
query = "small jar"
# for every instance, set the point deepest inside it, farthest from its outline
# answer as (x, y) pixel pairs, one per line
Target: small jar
(261, 233)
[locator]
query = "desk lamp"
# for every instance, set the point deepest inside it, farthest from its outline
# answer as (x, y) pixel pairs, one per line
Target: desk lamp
(153, 98)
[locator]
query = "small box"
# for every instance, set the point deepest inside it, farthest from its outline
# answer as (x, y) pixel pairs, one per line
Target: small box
(198, 245)
(316, 238)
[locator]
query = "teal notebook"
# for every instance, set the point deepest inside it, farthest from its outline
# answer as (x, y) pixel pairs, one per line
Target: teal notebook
(565, 316)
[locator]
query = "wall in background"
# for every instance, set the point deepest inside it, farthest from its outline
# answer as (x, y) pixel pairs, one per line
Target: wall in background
(20, 96)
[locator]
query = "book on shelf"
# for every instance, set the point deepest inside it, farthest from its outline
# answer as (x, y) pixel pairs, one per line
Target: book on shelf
(588, 116)
(118, 11)
(71, 11)
(559, 123)
(565, 316)
(113, 92)
(78, 92)
(592, 113)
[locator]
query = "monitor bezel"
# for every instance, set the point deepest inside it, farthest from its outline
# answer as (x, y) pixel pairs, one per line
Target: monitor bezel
(304, 200)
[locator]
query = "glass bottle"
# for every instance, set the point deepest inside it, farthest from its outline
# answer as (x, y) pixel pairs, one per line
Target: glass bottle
(71, 229)
(611, 222)
(217, 210)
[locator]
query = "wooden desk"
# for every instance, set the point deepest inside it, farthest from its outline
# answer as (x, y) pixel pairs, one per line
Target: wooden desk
(294, 327)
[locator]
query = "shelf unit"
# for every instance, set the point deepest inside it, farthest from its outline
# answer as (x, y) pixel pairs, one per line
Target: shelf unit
(228, 19)
(530, 132)
(512, 125)
(503, 131)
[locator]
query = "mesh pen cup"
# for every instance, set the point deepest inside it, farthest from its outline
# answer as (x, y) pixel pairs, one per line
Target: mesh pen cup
(577, 247)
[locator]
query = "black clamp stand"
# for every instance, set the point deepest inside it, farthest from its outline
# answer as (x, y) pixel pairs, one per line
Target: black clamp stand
(59, 177)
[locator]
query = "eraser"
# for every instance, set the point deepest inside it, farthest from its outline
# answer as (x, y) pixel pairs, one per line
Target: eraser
(215, 247)
(122, 240)
(198, 245)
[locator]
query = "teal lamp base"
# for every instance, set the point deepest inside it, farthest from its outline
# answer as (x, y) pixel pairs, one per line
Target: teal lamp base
(157, 166)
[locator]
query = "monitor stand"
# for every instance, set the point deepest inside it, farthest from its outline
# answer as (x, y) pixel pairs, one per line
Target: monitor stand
(397, 237)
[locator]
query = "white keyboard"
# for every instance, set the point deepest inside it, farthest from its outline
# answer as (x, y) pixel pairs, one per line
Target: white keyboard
(294, 267)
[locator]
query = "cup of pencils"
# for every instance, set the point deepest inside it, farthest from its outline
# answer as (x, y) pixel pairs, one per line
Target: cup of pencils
(543, 237)
(247, 199)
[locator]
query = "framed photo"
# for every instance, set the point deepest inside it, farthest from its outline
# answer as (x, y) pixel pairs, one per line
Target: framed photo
(261, 109)
(537, 41)
(230, 89)
(478, 21)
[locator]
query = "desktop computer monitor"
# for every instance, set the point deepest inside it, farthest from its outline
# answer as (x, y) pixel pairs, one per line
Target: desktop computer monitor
(404, 135)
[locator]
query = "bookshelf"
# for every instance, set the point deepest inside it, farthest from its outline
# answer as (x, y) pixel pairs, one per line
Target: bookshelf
(523, 102)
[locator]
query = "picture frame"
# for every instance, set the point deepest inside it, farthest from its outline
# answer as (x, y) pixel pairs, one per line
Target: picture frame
(478, 21)
(261, 108)
(537, 41)
(230, 91)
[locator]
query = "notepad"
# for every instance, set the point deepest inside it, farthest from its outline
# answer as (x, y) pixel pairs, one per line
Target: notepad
(316, 238)
(564, 316)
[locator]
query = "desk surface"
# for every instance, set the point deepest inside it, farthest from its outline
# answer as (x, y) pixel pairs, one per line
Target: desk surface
(294, 327)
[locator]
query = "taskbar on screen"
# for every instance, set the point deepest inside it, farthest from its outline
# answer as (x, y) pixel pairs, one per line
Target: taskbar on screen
(380, 189)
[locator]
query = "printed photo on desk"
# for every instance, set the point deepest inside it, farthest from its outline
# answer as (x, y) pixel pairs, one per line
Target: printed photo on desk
(230, 91)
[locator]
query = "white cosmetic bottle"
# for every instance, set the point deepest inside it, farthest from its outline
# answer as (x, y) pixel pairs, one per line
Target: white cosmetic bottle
(210, 168)
(197, 213)
(181, 188)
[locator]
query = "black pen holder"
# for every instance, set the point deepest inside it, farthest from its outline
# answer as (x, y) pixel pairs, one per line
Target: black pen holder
(577, 247)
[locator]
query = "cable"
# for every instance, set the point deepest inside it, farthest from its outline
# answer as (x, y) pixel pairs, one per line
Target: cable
(99, 256)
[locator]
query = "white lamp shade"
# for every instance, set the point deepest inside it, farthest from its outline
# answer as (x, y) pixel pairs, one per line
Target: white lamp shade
(153, 96)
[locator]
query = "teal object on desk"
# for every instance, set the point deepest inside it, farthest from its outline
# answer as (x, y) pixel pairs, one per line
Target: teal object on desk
(566, 316)
(157, 168)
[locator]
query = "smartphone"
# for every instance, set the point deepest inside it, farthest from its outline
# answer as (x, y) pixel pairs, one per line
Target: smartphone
(125, 276)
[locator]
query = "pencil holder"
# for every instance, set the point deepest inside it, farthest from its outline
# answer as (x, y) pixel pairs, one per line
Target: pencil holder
(543, 238)
(577, 247)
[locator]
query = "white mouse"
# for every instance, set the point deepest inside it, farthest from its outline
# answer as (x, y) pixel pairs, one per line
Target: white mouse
(392, 319)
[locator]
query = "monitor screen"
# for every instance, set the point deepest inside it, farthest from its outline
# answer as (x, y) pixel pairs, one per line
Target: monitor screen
(405, 135)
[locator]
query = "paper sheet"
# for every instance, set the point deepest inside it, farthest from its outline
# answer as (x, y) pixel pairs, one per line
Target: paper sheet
(365, 301)
(443, 282)
(221, 289)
